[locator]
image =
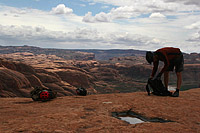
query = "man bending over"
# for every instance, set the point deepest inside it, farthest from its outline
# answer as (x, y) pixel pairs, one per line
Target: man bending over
(172, 57)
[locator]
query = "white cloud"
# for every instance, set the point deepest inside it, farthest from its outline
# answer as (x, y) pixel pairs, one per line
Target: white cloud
(195, 38)
(156, 9)
(155, 5)
(101, 17)
(125, 12)
(89, 18)
(179, 23)
(41, 28)
(186, 2)
(34, 18)
(195, 25)
(18, 11)
(134, 8)
(61, 9)
(157, 15)
(80, 37)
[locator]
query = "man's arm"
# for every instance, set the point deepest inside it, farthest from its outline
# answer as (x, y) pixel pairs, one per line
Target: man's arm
(155, 68)
(164, 69)
(166, 65)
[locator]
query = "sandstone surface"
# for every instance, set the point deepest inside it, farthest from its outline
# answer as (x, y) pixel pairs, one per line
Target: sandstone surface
(93, 113)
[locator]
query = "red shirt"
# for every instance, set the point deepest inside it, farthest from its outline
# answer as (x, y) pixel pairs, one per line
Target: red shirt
(166, 55)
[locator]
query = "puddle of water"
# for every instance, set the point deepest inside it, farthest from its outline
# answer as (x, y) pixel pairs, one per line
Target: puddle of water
(171, 88)
(131, 120)
(135, 118)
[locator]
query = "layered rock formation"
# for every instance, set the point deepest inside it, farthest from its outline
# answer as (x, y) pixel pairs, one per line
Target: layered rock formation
(119, 74)
(18, 79)
(55, 73)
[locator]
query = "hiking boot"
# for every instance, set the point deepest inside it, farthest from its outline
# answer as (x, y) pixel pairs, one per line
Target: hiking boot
(175, 94)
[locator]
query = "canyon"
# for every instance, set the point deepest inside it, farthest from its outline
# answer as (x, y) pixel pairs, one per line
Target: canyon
(25, 67)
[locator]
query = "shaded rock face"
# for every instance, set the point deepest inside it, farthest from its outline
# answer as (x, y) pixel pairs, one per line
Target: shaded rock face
(119, 78)
(75, 78)
(35, 81)
(13, 83)
(18, 79)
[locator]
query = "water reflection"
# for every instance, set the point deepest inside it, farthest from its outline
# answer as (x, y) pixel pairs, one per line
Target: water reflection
(135, 118)
(131, 120)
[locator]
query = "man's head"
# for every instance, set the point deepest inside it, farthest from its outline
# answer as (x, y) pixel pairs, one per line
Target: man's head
(149, 57)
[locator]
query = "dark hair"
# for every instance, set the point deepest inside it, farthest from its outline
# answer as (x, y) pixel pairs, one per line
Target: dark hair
(149, 57)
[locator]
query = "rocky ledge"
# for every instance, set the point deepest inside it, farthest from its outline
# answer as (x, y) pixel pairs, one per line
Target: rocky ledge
(93, 113)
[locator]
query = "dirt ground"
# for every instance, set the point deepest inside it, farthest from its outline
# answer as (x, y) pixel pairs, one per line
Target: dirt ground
(93, 113)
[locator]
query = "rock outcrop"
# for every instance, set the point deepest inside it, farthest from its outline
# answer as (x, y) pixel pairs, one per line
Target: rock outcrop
(13, 83)
(18, 79)
(93, 113)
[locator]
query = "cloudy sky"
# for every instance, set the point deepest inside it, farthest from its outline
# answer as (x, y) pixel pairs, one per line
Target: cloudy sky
(101, 24)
